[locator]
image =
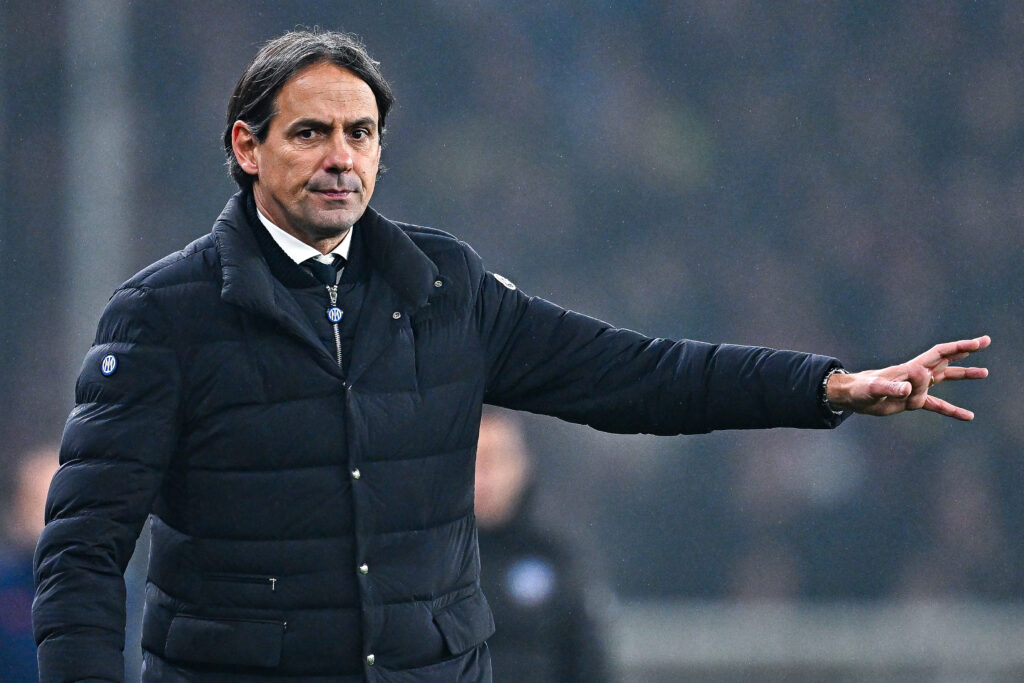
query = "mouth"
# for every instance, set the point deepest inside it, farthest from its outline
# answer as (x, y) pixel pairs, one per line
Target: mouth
(334, 194)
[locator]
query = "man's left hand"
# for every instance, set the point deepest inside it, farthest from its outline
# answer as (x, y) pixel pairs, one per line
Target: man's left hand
(905, 387)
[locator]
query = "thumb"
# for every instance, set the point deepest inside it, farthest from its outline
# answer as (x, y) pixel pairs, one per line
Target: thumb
(892, 388)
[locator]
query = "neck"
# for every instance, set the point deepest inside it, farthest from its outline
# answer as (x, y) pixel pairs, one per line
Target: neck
(325, 246)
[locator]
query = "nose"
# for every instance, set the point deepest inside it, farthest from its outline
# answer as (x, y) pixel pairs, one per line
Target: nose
(338, 158)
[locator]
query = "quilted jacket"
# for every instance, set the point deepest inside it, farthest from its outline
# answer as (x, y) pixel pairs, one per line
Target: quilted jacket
(314, 525)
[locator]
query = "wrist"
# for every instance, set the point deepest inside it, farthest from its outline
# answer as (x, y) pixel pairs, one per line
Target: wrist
(831, 393)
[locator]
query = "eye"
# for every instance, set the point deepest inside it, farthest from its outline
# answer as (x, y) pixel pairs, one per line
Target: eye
(306, 134)
(360, 133)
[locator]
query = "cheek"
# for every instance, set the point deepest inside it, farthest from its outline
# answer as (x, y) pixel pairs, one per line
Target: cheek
(369, 177)
(292, 171)
(370, 173)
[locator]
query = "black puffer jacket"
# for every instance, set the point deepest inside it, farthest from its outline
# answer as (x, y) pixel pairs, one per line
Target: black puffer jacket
(316, 526)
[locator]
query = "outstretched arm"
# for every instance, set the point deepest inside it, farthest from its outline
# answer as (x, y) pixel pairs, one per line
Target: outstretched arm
(905, 387)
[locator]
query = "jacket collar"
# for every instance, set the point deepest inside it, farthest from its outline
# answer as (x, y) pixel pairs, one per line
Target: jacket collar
(248, 282)
(392, 252)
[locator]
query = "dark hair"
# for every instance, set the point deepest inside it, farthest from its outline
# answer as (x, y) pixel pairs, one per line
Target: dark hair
(254, 99)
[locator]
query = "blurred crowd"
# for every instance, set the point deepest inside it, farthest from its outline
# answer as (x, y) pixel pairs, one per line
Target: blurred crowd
(20, 526)
(843, 177)
(550, 611)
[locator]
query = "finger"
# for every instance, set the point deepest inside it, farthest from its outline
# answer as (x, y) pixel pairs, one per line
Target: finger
(920, 380)
(954, 350)
(972, 345)
(885, 388)
(937, 405)
(955, 373)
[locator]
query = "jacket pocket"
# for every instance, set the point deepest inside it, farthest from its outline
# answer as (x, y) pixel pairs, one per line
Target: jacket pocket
(245, 642)
(466, 623)
(239, 591)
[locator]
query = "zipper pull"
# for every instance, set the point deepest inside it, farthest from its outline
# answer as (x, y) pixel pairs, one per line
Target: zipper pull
(334, 314)
(273, 585)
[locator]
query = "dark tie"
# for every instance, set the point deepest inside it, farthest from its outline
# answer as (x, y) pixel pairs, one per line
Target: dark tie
(326, 273)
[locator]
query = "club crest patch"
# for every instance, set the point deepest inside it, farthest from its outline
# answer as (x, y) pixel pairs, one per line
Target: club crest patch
(108, 365)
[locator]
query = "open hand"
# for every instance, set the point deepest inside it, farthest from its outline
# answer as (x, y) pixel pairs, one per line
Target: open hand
(905, 387)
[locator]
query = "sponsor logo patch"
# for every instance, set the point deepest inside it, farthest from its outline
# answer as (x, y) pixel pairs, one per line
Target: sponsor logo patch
(505, 281)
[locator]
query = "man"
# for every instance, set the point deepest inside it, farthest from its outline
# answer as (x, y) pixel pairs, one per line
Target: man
(546, 629)
(304, 442)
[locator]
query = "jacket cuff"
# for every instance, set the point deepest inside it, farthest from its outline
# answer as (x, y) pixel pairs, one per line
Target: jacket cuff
(67, 659)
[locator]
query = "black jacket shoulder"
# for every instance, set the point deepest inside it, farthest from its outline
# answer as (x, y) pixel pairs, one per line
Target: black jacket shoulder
(444, 248)
(197, 261)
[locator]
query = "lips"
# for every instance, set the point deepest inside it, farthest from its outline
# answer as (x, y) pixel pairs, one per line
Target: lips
(335, 194)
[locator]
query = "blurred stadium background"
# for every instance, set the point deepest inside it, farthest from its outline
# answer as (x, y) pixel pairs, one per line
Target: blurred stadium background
(838, 176)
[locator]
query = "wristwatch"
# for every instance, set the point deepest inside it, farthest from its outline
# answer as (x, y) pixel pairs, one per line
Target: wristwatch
(823, 391)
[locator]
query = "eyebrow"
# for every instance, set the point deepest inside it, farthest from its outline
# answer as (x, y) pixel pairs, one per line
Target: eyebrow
(320, 124)
(365, 122)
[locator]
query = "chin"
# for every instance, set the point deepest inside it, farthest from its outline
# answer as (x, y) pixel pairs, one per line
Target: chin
(337, 221)
(325, 230)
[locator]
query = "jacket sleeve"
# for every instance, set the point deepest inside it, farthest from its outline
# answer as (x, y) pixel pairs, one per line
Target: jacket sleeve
(548, 360)
(116, 446)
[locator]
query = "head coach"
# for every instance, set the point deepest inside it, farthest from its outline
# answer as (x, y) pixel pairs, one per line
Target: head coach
(295, 399)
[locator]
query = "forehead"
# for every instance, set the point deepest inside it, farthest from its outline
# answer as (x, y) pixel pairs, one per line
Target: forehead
(326, 90)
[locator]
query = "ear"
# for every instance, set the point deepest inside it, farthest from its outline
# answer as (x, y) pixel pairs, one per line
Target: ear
(245, 144)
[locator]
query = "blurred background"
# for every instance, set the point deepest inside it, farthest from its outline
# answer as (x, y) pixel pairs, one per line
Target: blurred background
(843, 177)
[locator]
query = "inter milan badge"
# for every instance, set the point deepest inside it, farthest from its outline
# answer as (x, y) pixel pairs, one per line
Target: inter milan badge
(505, 281)
(334, 314)
(108, 364)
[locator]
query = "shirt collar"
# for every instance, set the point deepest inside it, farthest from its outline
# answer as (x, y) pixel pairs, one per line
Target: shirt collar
(299, 251)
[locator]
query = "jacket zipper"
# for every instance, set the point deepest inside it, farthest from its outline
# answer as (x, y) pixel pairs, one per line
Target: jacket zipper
(332, 293)
(245, 578)
(282, 624)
